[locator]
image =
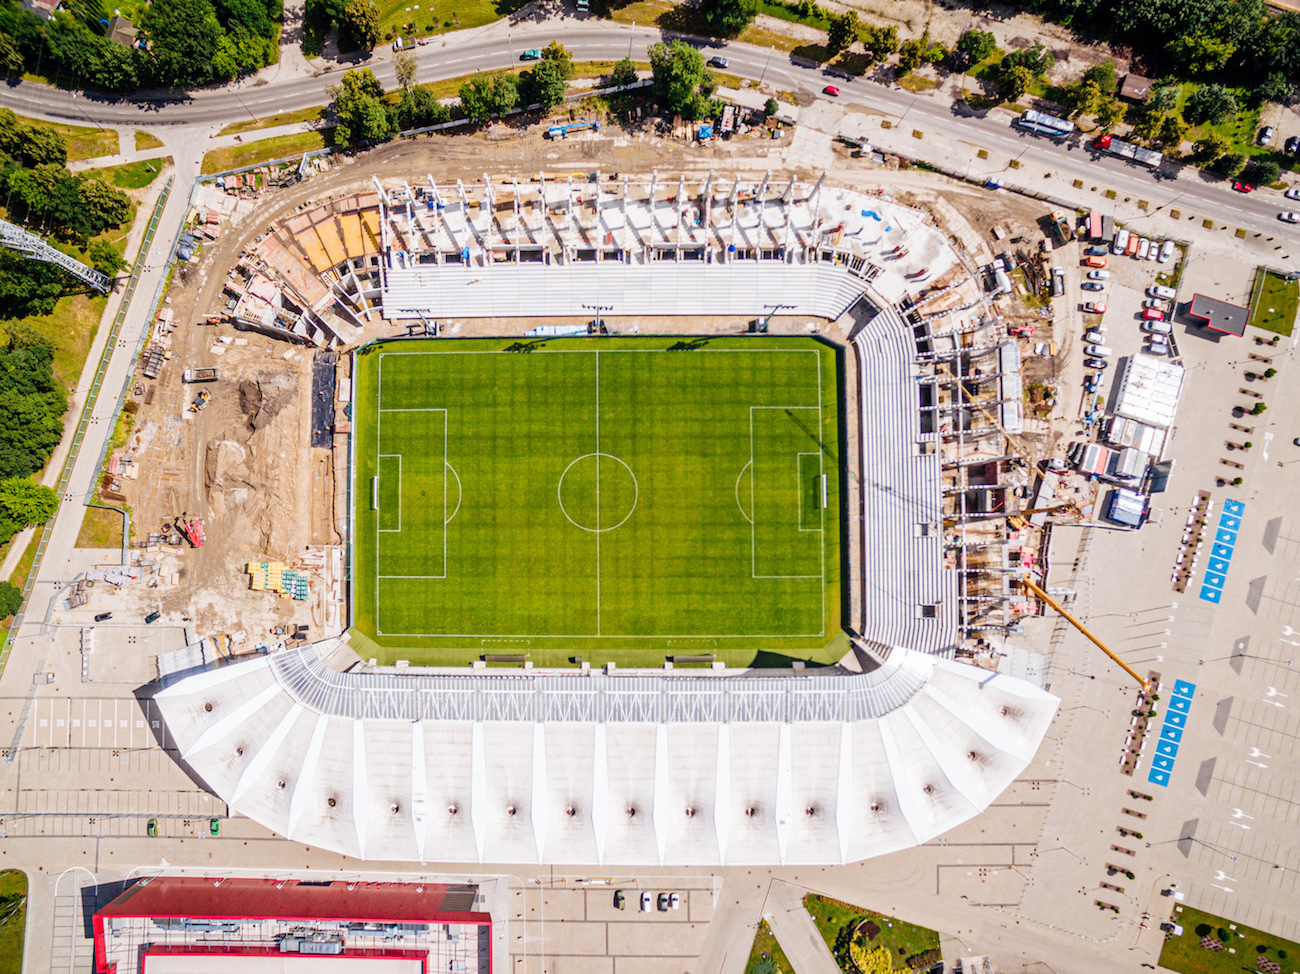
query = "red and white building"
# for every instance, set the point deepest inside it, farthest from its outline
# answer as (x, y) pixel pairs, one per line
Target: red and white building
(183, 925)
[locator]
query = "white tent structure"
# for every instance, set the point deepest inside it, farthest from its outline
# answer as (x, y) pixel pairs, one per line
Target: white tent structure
(627, 769)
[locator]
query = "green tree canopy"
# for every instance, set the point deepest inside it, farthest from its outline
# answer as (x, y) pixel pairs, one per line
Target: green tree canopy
(404, 68)
(972, 47)
(11, 599)
(483, 96)
(1210, 103)
(361, 23)
(728, 18)
(1013, 81)
(32, 402)
(26, 502)
(544, 85)
(1261, 172)
(879, 42)
(624, 72)
(1210, 148)
(681, 83)
(419, 107)
(359, 113)
(843, 31)
(183, 37)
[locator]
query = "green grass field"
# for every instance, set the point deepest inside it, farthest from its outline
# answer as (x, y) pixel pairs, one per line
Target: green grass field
(625, 500)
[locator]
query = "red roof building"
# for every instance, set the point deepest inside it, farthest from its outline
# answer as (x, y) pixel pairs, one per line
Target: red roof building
(169, 925)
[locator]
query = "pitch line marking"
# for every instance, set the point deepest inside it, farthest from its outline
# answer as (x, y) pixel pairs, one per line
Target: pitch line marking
(460, 492)
(740, 505)
(598, 530)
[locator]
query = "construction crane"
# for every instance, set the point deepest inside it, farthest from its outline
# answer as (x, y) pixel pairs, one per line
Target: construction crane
(1017, 519)
(1020, 446)
(1042, 596)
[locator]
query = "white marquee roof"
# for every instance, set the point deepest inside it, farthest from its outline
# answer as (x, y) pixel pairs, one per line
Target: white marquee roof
(604, 768)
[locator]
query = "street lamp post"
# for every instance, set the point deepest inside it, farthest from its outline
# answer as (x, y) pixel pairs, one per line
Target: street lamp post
(631, 37)
(765, 64)
(511, 47)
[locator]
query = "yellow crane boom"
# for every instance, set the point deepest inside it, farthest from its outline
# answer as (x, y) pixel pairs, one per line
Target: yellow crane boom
(1031, 587)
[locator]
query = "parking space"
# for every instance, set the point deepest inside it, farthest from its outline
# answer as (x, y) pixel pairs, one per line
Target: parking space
(95, 722)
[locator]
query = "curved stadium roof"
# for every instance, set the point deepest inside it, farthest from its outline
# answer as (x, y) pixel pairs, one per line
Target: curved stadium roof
(604, 768)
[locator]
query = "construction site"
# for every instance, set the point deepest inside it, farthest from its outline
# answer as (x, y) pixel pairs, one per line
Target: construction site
(240, 414)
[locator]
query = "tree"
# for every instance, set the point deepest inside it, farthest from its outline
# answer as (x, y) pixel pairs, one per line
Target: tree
(681, 84)
(11, 60)
(98, 207)
(1014, 81)
(544, 85)
(1261, 172)
(879, 42)
(1210, 148)
(1230, 164)
(361, 23)
(771, 107)
(843, 31)
(728, 18)
(484, 96)
(1200, 53)
(1277, 88)
(1038, 59)
(1257, 409)
(918, 51)
(11, 599)
(183, 36)
(973, 47)
(419, 107)
(404, 67)
(32, 402)
(1084, 98)
(624, 72)
(1109, 114)
(25, 502)
(1210, 103)
(104, 257)
(359, 113)
(555, 51)
(1172, 132)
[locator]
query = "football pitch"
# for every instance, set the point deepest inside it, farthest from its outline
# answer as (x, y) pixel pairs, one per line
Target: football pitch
(600, 499)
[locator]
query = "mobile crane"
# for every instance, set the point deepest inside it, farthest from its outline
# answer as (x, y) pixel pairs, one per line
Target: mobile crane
(1034, 590)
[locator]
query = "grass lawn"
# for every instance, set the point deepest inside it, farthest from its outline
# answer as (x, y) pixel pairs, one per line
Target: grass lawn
(237, 156)
(82, 142)
(147, 140)
(133, 175)
(71, 328)
(767, 949)
(313, 114)
(836, 922)
(101, 528)
(13, 920)
(399, 17)
(1186, 955)
(611, 495)
(1273, 302)
(1240, 130)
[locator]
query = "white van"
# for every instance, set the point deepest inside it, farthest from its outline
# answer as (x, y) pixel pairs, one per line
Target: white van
(1160, 291)
(1121, 242)
(1100, 351)
(1158, 327)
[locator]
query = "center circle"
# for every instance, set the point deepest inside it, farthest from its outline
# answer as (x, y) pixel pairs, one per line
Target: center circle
(597, 492)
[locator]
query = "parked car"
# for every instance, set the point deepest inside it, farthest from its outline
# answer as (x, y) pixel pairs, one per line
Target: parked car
(214, 826)
(1095, 307)
(1293, 193)
(1121, 241)
(1100, 351)
(103, 617)
(152, 617)
(1097, 250)
(1100, 364)
(1152, 303)
(152, 827)
(1098, 275)
(1162, 291)
(1243, 187)
(1266, 135)
(719, 62)
(1144, 245)
(1166, 251)
(1095, 261)
(620, 900)
(1152, 314)
(675, 901)
(1157, 327)
(832, 90)
(1158, 348)
(1289, 217)
(647, 901)
(1293, 145)
(1093, 286)
(1094, 336)
(532, 54)
(663, 903)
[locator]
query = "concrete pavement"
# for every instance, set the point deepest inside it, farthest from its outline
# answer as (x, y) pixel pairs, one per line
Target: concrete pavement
(795, 931)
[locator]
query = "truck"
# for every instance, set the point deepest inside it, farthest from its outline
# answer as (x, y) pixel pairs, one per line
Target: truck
(200, 375)
(1127, 150)
(200, 400)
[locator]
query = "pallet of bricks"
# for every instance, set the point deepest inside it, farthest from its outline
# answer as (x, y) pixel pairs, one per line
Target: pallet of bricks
(275, 576)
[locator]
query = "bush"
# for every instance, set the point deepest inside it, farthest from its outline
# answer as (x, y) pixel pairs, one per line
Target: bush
(1230, 164)
(771, 107)
(1204, 930)
(1237, 481)
(1257, 409)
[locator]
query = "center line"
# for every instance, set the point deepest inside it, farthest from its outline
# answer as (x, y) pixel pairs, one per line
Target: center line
(598, 493)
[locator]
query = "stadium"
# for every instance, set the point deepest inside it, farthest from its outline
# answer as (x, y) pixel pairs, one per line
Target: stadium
(619, 598)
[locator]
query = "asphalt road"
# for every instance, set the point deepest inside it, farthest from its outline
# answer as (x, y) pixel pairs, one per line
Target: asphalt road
(497, 48)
